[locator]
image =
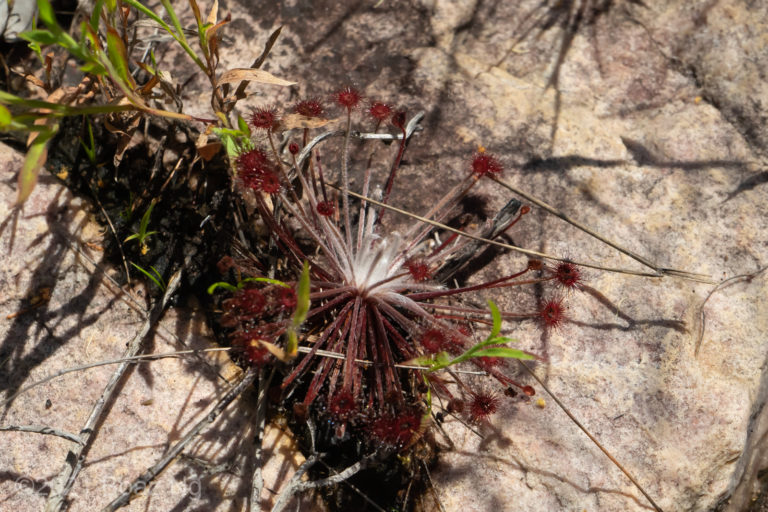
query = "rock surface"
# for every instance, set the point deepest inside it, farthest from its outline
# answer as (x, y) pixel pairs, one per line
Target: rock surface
(645, 121)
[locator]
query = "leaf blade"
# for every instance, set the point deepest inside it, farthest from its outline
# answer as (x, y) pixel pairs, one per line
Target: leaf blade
(251, 75)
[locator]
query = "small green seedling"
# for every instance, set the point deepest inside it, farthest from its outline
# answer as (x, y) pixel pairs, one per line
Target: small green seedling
(240, 285)
(154, 276)
(142, 234)
(90, 148)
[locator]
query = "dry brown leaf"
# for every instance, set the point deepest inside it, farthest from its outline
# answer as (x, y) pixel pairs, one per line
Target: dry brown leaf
(251, 75)
(273, 349)
(291, 121)
(208, 151)
(213, 15)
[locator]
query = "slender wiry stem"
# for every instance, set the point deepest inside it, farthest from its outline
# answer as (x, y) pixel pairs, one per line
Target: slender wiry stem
(497, 243)
(42, 429)
(554, 211)
(296, 485)
(133, 359)
(74, 461)
(146, 478)
(591, 437)
(257, 481)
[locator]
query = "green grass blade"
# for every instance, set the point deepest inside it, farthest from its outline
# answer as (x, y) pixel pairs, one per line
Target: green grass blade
(221, 284)
(150, 276)
(5, 117)
(262, 280)
(118, 56)
(503, 352)
(36, 155)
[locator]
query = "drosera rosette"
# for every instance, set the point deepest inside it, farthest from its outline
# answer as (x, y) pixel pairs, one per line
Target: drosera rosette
(385, 341)
(375, 306)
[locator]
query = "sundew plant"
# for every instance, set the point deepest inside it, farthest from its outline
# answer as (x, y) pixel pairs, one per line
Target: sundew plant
(371, 338)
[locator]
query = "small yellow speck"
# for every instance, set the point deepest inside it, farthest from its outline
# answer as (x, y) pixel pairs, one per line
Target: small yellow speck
(541, 403)
(480, 148)
(62, 174)
(144, 249)
(697, 99)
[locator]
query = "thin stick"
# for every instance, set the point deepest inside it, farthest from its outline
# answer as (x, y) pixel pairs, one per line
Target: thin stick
(432, 487)
(296, 485)
(554, 211)
(592, 438)
(257, 481)
(128, 298)
(284, 497)
(74, 461)
(146, 358)
(496, 243)
(146, 478)
(722, 284)
(42, 429)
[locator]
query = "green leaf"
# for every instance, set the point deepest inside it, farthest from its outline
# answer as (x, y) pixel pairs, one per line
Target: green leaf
(145, 220)
(95, 15)
(5, 117)
(46, 15)
(180, 38)
(262, 280)
(221, 284)
(157, 19)
(36, 155)
(243, 125)
(427, 361)
(118, 57)
(93, 68)
(300, 314)
(302, 297)
(157, 280)
(496, 329)
(39, 36)
(201, 28)
(174, 19)
(503, 352)
(499, 340)
(90, 148)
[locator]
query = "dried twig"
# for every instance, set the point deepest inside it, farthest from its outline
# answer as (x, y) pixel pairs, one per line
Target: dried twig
(591, 437)
(702, 278)
(74, 461)
(495, 242)
(720, 286)
(143, 481)
(146, 358)
(257, 481)
(295, 485)
(42, 429)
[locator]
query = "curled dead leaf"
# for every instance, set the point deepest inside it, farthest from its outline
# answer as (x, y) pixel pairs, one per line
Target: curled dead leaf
(208, 151)
(291, 121)
(276, 351)
(251, 75)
